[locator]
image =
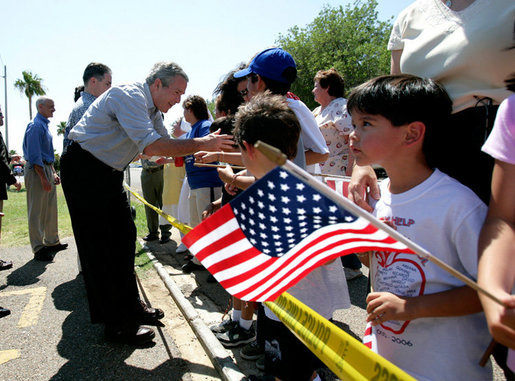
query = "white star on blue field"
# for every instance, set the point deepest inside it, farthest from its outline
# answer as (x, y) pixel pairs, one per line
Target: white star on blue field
(280, 210)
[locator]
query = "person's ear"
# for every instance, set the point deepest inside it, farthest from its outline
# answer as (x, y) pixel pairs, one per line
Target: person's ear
(249, 148)
(415, 133)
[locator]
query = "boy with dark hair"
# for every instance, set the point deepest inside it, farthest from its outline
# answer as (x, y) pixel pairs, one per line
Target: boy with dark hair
(269, 118)
(416, 307)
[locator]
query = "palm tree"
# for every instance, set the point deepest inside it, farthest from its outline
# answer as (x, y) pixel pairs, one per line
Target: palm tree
(30, 85)
(60, 128)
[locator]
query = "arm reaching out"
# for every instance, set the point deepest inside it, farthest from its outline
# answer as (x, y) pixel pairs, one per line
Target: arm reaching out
(362, 179)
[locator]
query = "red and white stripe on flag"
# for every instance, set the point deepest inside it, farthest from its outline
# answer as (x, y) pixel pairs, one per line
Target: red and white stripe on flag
(340, 186)
(277, 231)
(369, 338)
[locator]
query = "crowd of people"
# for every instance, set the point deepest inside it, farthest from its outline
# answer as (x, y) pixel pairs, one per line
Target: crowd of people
(441, 125)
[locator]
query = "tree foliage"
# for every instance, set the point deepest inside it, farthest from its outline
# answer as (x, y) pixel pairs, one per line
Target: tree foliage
(350, 39)
(61, 128)
(30, 85)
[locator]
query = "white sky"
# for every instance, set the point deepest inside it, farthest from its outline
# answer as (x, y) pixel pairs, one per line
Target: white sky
(56, 39)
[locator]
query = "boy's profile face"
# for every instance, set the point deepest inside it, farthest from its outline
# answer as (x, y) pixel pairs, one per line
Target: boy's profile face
(375, 140)
(255, 162)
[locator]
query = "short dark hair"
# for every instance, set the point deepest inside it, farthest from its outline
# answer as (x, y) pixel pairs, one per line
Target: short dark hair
(332, 79)
(95, 69)
(268, 118)
(276, 87)
(229, 98)
(404, 99)
(225, 124)
(77, 93)
(197, 105)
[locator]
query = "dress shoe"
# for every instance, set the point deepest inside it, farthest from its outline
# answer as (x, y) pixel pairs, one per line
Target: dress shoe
(134, 334)
(181, 248)
(5, 265)
(190, 266)
(150, 237)
(149, 315)
(164, 240)
(4, 312)
(44, 254)
(59, 247)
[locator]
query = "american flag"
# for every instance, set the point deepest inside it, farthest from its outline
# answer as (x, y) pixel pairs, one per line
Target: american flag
(273, 234)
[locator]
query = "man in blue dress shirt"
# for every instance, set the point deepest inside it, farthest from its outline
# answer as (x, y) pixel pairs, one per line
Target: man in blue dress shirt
(40, 182)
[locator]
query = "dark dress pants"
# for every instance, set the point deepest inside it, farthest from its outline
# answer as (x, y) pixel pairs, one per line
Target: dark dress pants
(105, 235)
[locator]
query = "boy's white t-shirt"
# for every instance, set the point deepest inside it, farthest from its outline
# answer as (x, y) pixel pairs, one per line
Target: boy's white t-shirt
(445, 218)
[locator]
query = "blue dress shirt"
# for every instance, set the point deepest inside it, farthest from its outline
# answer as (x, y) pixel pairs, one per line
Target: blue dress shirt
(37, 143)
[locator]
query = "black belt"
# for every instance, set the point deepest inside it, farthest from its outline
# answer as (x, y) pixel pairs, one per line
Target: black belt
(153, 170)
(47, 162)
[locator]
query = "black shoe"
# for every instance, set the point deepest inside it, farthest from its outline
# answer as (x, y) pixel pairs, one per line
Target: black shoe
(150, 237)
(164, 240)
(4, 312)
(44, 254)
(134, 334)
(149, 315)
(5, 265)
(190, 266)
(58, 247)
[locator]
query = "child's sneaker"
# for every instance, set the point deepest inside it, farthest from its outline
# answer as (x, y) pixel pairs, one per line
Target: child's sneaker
(252, 351)
(236, 336)
(224, 326)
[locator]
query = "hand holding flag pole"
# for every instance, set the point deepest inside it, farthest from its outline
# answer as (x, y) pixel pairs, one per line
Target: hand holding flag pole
(280, 159)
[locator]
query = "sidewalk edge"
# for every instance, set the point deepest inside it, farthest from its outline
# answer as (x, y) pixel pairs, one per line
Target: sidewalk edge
(218, 355)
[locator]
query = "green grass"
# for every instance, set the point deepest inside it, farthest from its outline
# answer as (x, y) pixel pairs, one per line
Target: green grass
(15, 227)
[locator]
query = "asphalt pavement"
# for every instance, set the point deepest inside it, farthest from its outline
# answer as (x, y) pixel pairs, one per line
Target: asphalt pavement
(48, 335)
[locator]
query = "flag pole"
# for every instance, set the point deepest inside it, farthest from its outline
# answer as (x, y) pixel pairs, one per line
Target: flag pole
(218, 166)
(279, 158)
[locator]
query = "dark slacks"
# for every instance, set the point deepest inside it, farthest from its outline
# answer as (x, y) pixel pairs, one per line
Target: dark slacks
(152, 184)
(105, 235)
(459, 152)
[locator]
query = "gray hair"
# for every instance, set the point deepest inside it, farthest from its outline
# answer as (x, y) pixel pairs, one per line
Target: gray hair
(166, 72)
(42, 100)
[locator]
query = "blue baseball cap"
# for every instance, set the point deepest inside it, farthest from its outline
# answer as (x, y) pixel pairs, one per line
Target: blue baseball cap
(270, 63)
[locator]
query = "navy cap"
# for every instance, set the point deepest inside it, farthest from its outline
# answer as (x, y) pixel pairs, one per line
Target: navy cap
(270, 63)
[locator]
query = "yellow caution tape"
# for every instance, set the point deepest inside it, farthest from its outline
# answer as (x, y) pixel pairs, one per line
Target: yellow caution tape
(172, 220)
(347, 357)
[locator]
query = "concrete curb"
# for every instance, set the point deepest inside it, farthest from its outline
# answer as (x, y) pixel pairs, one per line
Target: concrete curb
(218, 355)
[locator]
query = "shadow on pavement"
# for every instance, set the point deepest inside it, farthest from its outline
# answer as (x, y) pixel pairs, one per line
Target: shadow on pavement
(91, 358)
(27, 274)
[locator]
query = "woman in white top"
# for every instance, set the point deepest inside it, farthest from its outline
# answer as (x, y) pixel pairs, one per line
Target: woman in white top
(334, 121)
(463, 44)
